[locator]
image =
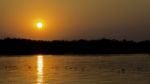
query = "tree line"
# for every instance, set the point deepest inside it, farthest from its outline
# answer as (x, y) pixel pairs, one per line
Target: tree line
(14, 46)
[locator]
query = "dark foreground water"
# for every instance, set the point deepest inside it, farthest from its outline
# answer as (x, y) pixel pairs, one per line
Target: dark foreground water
(53, 69)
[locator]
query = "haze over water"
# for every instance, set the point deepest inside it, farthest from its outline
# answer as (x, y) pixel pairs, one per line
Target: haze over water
(75, 69)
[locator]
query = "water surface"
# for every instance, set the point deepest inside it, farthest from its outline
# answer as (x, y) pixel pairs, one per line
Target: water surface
(75, 69)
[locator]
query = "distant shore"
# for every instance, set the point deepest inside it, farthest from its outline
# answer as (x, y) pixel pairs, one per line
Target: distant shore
(13, 46)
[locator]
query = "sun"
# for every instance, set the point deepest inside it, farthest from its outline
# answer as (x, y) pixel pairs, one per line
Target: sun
(39, 25)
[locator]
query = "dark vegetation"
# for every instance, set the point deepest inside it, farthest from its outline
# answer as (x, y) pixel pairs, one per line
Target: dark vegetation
(103, 46)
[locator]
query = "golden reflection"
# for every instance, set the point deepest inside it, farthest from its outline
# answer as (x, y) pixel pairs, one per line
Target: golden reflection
(40, 69)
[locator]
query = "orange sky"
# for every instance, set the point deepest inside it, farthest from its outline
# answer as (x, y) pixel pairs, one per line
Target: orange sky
(75, 19)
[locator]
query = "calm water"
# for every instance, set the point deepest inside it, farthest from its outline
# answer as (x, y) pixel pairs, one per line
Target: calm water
(53, 69)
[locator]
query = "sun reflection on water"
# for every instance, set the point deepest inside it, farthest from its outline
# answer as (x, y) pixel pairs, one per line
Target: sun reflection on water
(40, 69)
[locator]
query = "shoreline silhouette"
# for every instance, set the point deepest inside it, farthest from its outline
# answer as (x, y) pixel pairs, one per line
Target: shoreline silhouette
(17, 46)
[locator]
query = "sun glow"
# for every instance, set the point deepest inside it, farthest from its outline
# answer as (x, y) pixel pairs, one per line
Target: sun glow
(39, 25)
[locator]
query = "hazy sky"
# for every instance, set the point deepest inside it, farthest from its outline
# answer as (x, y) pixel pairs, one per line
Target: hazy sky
(76, 19)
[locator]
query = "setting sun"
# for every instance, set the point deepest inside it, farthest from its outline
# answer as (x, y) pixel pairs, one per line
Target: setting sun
(39, 25)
